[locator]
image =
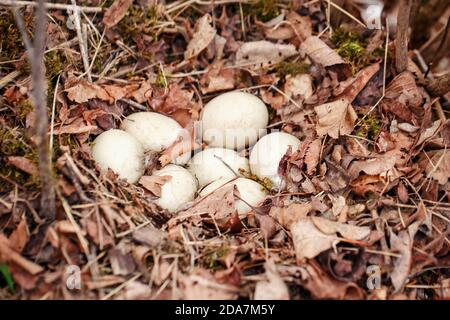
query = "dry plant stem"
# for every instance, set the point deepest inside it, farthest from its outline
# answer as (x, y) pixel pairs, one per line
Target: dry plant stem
(60, 6)
(401, 40)
(39, 98)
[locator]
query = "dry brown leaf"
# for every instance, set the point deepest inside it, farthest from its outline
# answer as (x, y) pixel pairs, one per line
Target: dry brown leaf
(135, 290)
(19, 238)
(272, 289)
(116, 12)
(374, 166)
(204, 34)
(295, 26)
(22, 163)
(312, 156)
(83, 91)
(323, 286)
(143, 93)
(76, 127)
(301, 25)
(439, 168)
(149, 236)
(335, 118)
(184, 143)
(299, 85)
(259, 54)
(313, 235)
(216, 209)
(345, 230)
(154, 183)
(201, 285)
(122, 263)
(403, 88)
(429, 132)
(286, 216)
(310, 241)
(7, 254)
(402, 244)
(217, 78)
(319, 52)
(360, 81)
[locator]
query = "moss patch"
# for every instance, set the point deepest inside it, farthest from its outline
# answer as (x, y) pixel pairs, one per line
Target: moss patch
(369, 128)
(291, 68)
(352, 47)
(263, 10)
(12, 143)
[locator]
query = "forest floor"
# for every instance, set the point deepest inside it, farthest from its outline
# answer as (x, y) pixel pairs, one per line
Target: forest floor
(365, 214)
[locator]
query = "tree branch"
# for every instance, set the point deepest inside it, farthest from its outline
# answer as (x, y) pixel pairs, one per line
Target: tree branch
(39, 98)
(401, 40)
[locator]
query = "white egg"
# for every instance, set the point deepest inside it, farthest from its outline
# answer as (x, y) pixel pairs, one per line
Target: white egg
(234, 120)
(266, 155)
(180, 189)
(155, 131)
(211, 164)
(121, 152)
(250, 191)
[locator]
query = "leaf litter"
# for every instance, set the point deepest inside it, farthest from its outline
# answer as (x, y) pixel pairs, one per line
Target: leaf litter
(367, 187)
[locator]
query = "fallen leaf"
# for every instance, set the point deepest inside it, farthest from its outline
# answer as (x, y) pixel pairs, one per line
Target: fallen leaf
(149, 236)
(438, 166)
(296, 26)
(323, 286)
(259, 54)
(201, 285)
(274, 287)
(335, 118)
(218, 206)
(402, 244)
(135, 290)
(22, 163)
(374, 166)
(217, 79)
(76, 127)
(319, 52)
(312, 156)
(346, 230)
(309, 241)
(287, 216)
(154, 183)
(116, 12)
(83, 91)
(19, 238)
(299, 85)
(204, 34)
(313, 235)
(429, 132)
(360, 81)
(122, 262)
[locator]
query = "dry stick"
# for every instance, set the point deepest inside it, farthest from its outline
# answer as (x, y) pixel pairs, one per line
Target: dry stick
(401, 40)
(60, 6)
(82, 39)
(39, 98)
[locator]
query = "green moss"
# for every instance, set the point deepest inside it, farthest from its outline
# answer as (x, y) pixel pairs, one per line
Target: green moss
(138, 20)
(291, 68)
(265, 182)
(212, 260)
(12, 143)
(352, 47)
(11, 43)
(369, 128)
(263, 10)
(54, 63)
